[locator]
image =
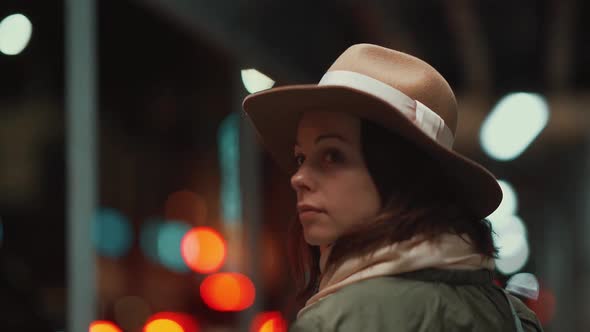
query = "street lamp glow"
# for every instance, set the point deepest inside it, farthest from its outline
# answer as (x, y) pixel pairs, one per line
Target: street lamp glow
(15, 33)
(508, 206)
(510, 236)
(513, 125)
(255, 81)
(513, 263)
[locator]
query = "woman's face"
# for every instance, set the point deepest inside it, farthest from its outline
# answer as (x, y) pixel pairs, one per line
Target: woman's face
(333, 186)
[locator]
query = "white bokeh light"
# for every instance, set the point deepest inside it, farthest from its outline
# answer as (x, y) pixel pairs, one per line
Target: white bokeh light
(255, 81)
(508, 206)
(510, 237)
(513, 125)
(15, 33)
(512, 264)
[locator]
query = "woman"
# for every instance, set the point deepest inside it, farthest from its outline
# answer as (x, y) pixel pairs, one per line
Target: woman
(390, 234)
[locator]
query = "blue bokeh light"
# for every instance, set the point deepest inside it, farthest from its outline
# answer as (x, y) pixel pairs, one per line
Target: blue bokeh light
(112, 234)
(169, 239)
(160, 241)
(148, 238)
(229, 158)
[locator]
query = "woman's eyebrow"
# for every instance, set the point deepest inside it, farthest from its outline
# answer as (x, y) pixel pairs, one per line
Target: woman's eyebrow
(336, 136)
(326, 136)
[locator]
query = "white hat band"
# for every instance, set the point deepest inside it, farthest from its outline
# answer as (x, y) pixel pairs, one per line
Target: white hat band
(423, 117)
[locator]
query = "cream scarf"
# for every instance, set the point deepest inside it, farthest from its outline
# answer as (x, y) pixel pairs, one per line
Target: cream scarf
(447, 251)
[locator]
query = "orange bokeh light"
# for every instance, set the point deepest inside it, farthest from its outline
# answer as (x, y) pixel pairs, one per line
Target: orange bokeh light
(228, 292)
(203, 249)
(171, 322)
(163, 325)
(103, 326)
(269, 322)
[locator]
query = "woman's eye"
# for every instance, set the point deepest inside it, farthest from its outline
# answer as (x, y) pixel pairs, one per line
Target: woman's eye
(299, 159)
(333, 156)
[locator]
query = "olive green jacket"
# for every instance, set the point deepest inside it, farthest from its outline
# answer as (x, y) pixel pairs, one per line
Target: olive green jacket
(426, 300)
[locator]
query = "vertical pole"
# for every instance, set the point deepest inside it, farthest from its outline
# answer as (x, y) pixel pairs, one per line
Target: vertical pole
(582, 286)
(81, 160)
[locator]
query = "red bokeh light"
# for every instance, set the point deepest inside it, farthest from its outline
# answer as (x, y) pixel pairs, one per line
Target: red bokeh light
(228, 292)
(269, 322)
(103, 326)
(544, 306)
(203, 250)
(498, 283)
(171, 322)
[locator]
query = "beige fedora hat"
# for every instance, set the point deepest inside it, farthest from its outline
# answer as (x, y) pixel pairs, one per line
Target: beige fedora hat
(398, 91)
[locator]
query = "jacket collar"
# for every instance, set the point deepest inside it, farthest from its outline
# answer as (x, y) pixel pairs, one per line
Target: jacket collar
(453, 277)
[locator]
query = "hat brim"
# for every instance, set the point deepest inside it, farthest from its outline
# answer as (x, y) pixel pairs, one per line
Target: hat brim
(275, 114)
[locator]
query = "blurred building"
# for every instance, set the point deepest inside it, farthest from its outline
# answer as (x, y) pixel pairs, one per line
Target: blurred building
(173, 153)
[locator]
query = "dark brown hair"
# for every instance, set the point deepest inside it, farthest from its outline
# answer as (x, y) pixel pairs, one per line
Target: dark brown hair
(415, 198)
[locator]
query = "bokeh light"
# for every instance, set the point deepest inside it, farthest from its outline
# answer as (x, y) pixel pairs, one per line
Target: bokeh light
(112, 234)
(228, 137)
(171, 322)
(103, 326)
(227, 292)
(186, 206)
(510, 235)
(513, 125)
(203, 250)
(524, 284)
(148, 238)
(255, 81)
(169, 240)
(15, 34)
(511, 264)
(160, 241)
(507, 207)
(545, 306)
(163, 325)
(131, 312)
(511, 240)
(269, 322)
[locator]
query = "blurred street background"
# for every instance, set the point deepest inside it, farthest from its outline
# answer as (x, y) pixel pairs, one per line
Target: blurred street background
(134, 195)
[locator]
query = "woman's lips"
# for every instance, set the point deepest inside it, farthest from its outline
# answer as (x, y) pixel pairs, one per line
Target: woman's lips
(307, 211)
(308, 214)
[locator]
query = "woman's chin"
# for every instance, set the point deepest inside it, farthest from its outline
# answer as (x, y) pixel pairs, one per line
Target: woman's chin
(317, 238)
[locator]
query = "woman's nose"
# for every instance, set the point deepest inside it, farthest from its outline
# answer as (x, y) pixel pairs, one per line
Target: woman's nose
(301, 180)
